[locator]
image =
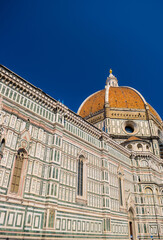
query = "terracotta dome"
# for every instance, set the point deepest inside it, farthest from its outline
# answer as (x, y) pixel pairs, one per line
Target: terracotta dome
(119, 98)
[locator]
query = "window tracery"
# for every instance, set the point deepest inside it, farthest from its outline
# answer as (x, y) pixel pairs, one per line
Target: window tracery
(51, 218)
(19, 160)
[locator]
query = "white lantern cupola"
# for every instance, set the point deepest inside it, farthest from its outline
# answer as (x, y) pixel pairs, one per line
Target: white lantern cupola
(112, 80)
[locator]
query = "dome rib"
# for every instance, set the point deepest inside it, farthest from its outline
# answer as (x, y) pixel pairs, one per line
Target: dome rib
(153, 111)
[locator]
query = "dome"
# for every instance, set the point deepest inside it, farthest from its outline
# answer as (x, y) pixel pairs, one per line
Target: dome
(118, 98)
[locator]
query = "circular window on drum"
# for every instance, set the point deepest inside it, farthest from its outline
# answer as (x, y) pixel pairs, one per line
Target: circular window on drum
(129, 147)
(130, 127)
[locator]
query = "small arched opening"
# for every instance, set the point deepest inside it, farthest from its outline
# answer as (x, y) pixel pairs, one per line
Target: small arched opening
(129, 147)
(139, 146)
(82, 180)
(131, 224)
(80, 176)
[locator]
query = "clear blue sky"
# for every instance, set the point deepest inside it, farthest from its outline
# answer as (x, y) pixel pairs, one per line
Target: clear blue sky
(66, 47)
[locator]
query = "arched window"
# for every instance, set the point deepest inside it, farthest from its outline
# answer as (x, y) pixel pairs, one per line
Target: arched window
(17, 171)
(148, 190)
(131, 224)
(80, 176)
(139, 146)
(120, 192)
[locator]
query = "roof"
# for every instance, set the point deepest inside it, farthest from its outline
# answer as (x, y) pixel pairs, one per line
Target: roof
(133, 138)
(119, 97)
(92, 104)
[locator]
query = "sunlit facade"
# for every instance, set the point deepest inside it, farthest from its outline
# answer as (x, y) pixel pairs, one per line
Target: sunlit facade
(97, 174)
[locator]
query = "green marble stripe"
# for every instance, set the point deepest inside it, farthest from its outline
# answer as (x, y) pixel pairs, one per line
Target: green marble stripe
(36, 209)
(119, 220)
(67, 235)
(14, 206)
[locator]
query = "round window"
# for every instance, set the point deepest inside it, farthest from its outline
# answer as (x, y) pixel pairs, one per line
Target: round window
(129, 129)
(129, 146)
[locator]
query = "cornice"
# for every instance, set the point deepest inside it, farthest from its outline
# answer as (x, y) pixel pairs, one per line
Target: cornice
(27, 89)
(149, 155)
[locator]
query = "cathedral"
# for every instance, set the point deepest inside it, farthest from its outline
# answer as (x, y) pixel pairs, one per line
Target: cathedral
(94, 174)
